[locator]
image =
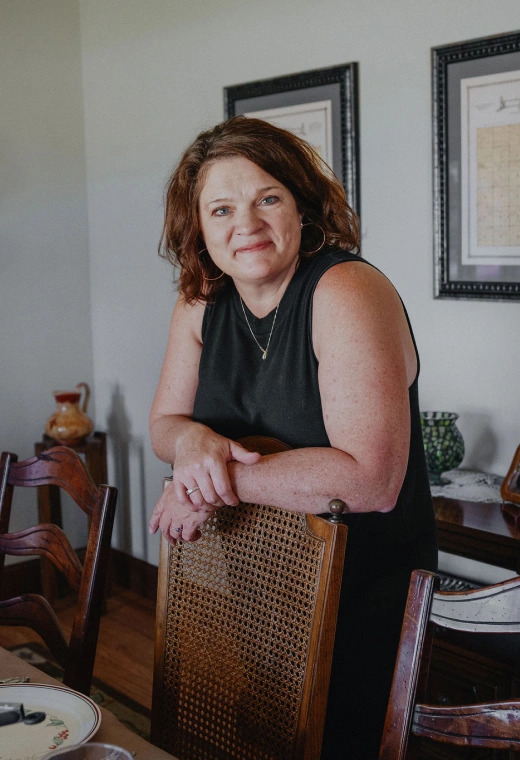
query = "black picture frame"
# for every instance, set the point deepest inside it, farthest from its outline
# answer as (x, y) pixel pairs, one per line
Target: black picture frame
(339, 84)
(454, 199)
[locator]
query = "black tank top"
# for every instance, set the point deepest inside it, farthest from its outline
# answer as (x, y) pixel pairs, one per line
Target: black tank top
(241, 394)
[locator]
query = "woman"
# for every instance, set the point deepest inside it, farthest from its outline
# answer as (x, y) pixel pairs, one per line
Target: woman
(281, 329)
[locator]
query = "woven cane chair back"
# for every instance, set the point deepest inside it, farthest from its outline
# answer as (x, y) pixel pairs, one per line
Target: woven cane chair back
(246, 619)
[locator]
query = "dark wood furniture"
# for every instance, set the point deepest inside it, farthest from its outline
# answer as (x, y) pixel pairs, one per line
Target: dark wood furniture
(246, 618)
(60, 467)
(111, 730)
(485, 669)
(478, 530)
(510, 488)
(94, 449)
(492, 725)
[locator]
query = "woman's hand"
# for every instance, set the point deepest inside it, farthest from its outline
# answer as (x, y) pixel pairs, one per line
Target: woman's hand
(176, 521)
(200, 481)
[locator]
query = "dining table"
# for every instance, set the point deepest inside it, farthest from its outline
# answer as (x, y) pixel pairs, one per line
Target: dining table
(111, 730)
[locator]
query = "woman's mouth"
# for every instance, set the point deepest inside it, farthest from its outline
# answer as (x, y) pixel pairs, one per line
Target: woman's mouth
(254, 247)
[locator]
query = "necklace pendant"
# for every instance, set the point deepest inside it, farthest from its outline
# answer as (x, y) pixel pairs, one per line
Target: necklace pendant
(264, 355)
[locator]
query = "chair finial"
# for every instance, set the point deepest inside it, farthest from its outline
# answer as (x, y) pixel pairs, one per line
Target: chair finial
(336, 507)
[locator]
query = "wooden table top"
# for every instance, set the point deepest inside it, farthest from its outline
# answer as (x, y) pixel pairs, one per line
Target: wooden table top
(479, 530)
(110, 731)
(485, 517)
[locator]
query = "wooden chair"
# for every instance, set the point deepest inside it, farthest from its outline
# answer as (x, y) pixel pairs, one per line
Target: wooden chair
(246, 618)
(62, 467)
(495, 725)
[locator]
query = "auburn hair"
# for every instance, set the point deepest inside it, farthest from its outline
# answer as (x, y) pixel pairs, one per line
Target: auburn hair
(318, 193)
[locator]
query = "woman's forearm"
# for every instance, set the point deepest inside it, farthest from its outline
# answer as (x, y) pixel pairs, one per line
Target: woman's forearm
(305, 480)
(166, 433)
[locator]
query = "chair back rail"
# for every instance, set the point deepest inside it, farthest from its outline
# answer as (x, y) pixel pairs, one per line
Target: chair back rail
(245, 632)
(47, 540)
(493, 725)
(60, 466)
(492, 609)
(47, 469)
(33, 611)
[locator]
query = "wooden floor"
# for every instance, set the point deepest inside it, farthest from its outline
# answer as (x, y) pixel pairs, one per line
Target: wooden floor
(124, 658)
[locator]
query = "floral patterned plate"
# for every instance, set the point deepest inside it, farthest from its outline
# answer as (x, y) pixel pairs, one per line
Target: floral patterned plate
(71, 719)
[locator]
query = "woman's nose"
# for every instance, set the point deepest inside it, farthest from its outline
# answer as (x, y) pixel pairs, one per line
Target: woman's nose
(247, 220)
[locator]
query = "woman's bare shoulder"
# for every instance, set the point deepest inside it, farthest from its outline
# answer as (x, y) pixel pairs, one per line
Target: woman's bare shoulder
(355, 303)
(188, 316)
(356, 289)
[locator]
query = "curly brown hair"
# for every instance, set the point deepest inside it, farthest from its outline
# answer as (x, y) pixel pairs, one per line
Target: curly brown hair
(319, 196)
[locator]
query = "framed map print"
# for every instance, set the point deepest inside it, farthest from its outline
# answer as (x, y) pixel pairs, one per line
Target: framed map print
(476, 185)
(321, 106)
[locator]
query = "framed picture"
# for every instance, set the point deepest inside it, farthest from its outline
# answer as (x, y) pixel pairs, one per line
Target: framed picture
(476, 168)
(510, 488)
(321, 106)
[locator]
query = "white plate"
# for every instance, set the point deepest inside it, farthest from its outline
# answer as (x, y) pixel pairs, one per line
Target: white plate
(71, 719)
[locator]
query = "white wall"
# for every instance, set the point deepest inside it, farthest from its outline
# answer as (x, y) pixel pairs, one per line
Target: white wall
(45, 337)
(153, 73)
(153, 77)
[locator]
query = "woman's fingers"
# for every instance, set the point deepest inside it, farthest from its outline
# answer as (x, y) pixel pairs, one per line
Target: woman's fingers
(240, 454)
(198, 488)
(196, 497)
(156, 516)
(201, 470)
(191, 534)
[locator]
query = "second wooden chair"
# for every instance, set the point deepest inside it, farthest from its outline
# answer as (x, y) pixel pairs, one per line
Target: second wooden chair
(495, 725)
(62, 467)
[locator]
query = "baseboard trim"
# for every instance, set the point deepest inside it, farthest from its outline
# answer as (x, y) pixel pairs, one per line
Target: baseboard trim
(127, 571)
(133, 573)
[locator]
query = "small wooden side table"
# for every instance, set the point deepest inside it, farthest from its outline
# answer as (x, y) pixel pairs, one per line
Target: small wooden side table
(94, 447)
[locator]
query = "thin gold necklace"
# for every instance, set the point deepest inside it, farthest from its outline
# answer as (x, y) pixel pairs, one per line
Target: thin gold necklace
(262, 349)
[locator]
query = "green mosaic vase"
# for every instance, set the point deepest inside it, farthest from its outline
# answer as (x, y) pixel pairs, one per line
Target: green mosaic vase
(443, 444)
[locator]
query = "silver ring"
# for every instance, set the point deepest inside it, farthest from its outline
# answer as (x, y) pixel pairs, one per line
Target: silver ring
(189, 491)
(178, 530)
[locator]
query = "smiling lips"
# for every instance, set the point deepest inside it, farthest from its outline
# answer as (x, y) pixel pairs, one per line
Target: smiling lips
(254, 247)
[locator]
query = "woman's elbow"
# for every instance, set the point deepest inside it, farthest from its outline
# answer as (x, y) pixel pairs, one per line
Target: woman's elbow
(388, 495)
(382, 489)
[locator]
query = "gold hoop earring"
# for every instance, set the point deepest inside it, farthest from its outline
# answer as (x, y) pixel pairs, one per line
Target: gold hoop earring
(209, 279)
(309, 253)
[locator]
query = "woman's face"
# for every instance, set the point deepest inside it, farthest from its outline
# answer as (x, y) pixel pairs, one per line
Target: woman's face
(249, 221)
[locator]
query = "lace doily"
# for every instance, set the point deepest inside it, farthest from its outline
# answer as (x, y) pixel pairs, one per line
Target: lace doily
(469, 485)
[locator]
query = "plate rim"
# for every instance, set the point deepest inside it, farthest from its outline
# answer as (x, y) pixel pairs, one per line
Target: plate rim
(60, 687)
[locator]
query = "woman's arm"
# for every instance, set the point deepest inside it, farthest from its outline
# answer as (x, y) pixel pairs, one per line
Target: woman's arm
(366, 363)
(200, 456)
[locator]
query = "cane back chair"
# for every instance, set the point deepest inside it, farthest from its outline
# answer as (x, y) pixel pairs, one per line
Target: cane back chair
(246, 619)
(494, 725)
(60, 466)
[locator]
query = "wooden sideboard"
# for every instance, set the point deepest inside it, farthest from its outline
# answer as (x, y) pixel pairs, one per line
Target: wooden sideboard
(478, 530)
(458, 675)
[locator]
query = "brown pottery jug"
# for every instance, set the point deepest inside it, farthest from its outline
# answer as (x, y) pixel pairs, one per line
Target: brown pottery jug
(69, 424)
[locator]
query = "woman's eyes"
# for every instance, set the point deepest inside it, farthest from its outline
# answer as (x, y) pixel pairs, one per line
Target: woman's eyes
(269, 200)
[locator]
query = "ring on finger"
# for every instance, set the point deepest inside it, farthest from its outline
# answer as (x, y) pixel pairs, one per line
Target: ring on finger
(189, 491)
(178, 530)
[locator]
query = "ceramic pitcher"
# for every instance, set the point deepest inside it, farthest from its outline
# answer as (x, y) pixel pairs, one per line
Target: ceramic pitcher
(69, 424)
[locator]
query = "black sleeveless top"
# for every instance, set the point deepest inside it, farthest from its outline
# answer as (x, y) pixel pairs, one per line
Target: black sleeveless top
(240, 394)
